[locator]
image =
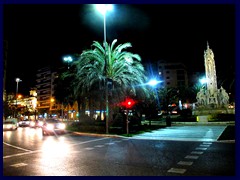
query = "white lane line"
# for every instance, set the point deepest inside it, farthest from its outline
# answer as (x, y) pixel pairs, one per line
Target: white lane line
(30, 152)
(197, 152)
(20, 154)
(18, 165)
(199, 148)
(177, 170)
(16, 147)
(99, 146)
(76, 151)
(90, 141)
(109, 143)
(205, 145)
(187, 163)
(117, 141)
(191, 157)
(89, 148)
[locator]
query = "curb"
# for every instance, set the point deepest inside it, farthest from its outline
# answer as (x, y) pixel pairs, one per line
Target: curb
(98, 135)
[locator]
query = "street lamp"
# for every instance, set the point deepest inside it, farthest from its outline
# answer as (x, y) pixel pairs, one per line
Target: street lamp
(68, 59)
(103, 8)
(153, 83)
(17, 81)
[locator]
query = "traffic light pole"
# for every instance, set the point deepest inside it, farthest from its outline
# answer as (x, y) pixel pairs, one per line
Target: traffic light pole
(127, 123)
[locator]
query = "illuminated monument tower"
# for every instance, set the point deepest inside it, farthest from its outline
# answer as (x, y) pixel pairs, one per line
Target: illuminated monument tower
(210, 72)
(211, 97)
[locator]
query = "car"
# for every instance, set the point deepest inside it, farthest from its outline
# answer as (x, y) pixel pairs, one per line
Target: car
(36, 124)
(24, 123)
(15, 120)
(52, 126)
(10, 125)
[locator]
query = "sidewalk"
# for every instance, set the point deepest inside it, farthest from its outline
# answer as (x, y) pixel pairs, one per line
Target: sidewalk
(179, 131)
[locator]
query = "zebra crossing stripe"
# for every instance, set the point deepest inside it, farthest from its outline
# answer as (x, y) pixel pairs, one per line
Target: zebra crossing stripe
(177, 170)
(191, 157)
(187, 163)
(197, 152)
(19, 165)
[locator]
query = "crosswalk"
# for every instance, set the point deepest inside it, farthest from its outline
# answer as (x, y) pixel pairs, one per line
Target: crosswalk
(184, 133)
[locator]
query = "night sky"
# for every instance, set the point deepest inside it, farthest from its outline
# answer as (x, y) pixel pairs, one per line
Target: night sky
(40, 35)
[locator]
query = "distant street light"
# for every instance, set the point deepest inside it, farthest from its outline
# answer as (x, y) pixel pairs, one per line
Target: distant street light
(68, 59)
(17, 81)
(103, 8)
(154, 83)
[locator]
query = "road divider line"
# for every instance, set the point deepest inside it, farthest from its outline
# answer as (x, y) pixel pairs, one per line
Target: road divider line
(16, 147)
(199, 148)
(20, 154)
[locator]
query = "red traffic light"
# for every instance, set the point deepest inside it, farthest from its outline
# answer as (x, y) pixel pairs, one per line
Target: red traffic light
(128, 103)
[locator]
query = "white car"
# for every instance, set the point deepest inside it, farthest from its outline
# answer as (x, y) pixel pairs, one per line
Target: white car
(53, 126)
(10, 125)
(24, 123)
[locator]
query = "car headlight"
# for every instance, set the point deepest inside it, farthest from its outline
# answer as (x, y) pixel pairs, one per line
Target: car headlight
(61, 126)
(50, 127)
(32, 123)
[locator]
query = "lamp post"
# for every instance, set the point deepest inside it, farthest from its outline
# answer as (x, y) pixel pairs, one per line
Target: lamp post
(17, 81)
(68, 59)
(153, 83)
(103, 8)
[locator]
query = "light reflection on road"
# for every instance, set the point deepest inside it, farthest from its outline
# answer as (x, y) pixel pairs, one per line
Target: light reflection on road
(54, 156)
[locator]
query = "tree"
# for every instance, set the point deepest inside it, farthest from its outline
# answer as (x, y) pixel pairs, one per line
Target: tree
(122, 68)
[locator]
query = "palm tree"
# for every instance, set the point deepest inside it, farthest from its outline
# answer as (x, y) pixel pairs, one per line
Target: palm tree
(95, 67)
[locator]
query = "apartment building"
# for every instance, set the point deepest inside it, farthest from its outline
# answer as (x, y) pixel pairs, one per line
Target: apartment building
(172, 74)
(45, 83)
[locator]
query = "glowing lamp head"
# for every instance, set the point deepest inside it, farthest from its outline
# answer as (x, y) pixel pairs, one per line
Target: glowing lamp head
(103, 8)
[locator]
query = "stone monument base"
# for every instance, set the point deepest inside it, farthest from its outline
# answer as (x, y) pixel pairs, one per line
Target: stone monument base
(199, 112)
(204, 115)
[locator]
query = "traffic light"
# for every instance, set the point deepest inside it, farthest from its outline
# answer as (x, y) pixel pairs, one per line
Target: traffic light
(128, 103)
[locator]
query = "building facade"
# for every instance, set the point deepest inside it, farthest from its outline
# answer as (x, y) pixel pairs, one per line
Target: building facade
(172, 74)
(45, 84)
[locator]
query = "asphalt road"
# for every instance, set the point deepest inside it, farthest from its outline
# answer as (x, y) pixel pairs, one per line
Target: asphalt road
(27, 153)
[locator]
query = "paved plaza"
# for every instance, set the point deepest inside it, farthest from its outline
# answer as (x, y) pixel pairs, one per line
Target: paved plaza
(185, 133)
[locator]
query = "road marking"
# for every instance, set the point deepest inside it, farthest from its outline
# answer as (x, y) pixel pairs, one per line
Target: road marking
(109, 143)
(191, 157)
(204, 145)
(20, 154)
(199, 148)
(197, 152)
(16, 147)
(89, 148)
(30, 152)
(76, 151)
(99, 146)
(207, 143)
(117, 141)
(187, 163)
(19, 165)
(177, 170)
(90, 141)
